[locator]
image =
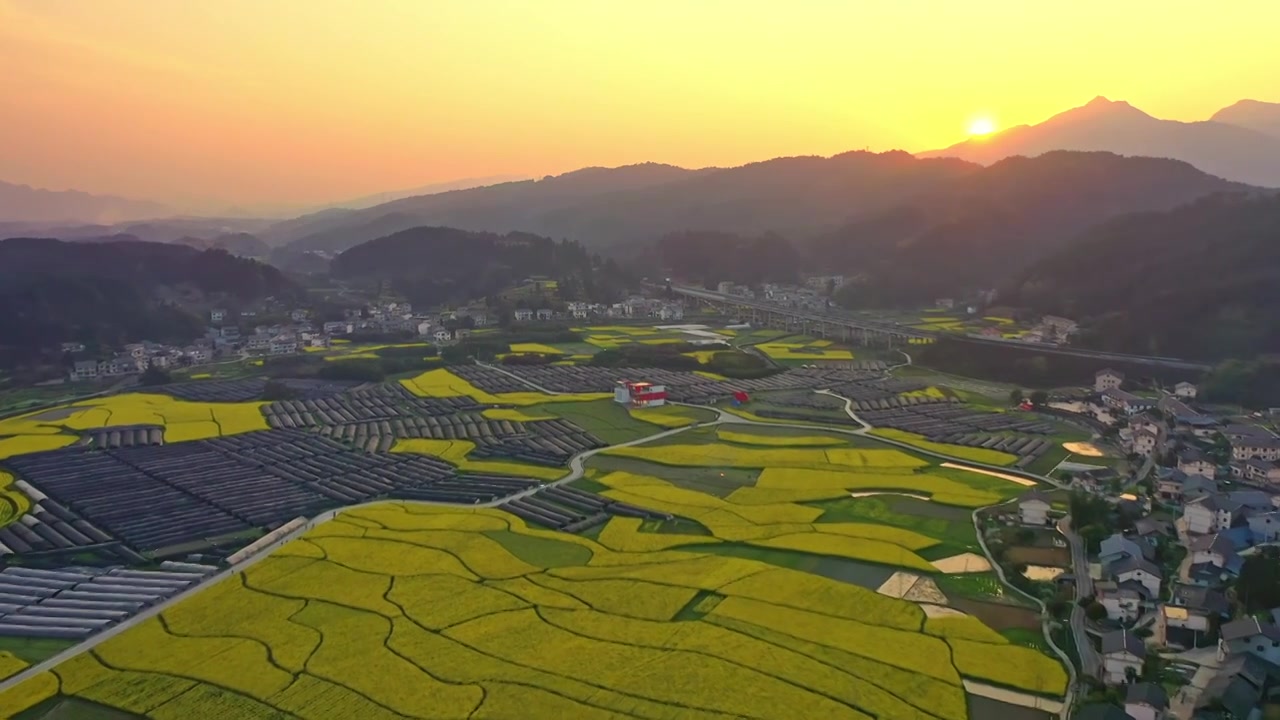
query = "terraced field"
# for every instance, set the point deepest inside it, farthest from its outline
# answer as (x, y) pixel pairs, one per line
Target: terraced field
(398, 611)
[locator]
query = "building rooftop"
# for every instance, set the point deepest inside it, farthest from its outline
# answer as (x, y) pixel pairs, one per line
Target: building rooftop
(1147, 694)
(1123, 641)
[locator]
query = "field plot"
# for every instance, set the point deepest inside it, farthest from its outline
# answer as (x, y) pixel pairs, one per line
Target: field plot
(487, 633)
(250, 389)
(446, 384)
(378, 418)
(800, 348)
(72, 603)
(996, 438)
(180, 498)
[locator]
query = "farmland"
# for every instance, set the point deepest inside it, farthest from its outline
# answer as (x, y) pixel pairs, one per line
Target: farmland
(560, 632)
(724, 570)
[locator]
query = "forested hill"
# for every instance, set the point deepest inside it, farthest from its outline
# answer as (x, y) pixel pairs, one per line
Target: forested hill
(982, 229)
(708, 257)
(111, 293)
(1197, 282)
(616, 209)
(433, 265)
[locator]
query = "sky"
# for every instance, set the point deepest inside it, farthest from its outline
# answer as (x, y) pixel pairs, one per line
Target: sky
(249, 103)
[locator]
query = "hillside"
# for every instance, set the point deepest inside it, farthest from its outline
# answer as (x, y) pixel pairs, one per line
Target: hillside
(241, 244)
(1263, 117)
(615, 208)
(22, 203)
(1226, 150)
(707, 257)
(1197, 282)
(115, 292)
(981, 229)
(432, 265)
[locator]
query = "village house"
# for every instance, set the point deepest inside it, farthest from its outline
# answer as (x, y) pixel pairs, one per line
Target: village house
(523, 315)
(1145, 443)
(1251, 636)
(1123, 601)
(1033, 508)
(283, 345)
(84, 370)
(1122, 655)
(1209, 514)
(440, 334)
(1213, 549)
(1189, 615)
(461, 333)
(1107, 379)
(1198, 426)
(197, 354)
(1257, 471)
(1260, 447)
(671, 312)
(1139, 570)
(1060, 326)
(1146, 701)
(579, 310)
(1173, 485)
(337, 327)
(72, 347)
(1117, 547)
(1236, 690)
(258, 341)
(1264, 527)
(1125, 402)
(217, 316)
(299, 315)
(1193, 461)
(1185, 390)
(544, 314)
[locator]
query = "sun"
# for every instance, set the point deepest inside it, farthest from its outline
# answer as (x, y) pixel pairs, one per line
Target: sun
(982, 126)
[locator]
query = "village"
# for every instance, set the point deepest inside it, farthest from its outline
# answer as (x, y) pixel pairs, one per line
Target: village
(232, 336)
(1175, 586)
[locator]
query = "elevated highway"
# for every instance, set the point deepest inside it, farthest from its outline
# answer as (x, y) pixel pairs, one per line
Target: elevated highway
(862, 330)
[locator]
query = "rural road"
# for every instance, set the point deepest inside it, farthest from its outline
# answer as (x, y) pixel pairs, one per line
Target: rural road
(1090, 663)
(576, 471)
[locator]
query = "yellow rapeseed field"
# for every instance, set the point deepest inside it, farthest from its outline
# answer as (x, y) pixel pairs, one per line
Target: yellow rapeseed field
(748, 437)
(940, 489)
(1009, 665)
(419, 611)
(538, 348)
(515, 415)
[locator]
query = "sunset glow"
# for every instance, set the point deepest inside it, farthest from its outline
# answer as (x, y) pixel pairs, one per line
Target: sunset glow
(245, 102)
(982, 126)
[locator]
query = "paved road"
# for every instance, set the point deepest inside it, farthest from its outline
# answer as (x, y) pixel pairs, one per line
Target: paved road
(1090, 662)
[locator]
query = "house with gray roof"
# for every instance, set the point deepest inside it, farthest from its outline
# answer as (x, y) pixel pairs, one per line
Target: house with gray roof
(1146, 701)
(1251, 636)
(1122, 654)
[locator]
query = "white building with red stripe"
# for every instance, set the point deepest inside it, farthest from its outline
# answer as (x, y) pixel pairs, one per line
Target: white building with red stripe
(640, 394)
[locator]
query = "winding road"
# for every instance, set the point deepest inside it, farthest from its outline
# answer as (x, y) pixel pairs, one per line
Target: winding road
(576, 471)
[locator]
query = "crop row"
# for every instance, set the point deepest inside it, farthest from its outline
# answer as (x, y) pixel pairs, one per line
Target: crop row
(49, 527)
(573, 510)
(937, 421)
(162, 499)
(75, 602)
(249, 389)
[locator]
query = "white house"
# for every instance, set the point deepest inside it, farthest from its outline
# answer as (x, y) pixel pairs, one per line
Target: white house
(1146, 701)
(72, 347)
(545, 314)
(283, 345)
(1145, 443)
(1123, 601)
(440, 334)
(84, 370)
(1264, 527)
(1033, 508)
(1252, 636)
(217, 315)
(1258, 446)
(1213, 549)
(1194, 462)
(337, 327)
(523, 315)
(1125, 402)
(1255, 470)
(1185, 390)
(1107, 379)
(1189, 614)
(1122, 653)
(1137, 570)
(197, 354)
(1209, 514)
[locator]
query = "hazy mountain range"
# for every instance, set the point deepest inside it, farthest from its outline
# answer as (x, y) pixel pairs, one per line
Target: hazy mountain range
(1240, 143)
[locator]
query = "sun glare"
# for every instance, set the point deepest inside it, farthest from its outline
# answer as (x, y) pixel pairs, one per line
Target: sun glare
(982, 126)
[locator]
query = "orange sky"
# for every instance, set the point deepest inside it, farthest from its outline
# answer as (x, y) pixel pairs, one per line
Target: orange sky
(208, 104)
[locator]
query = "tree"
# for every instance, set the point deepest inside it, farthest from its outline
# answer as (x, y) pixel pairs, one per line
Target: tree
(1015, 396)
(1258, 587)
(275, 390)
(1039, 398)
(154, 376)
(1095, 611)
